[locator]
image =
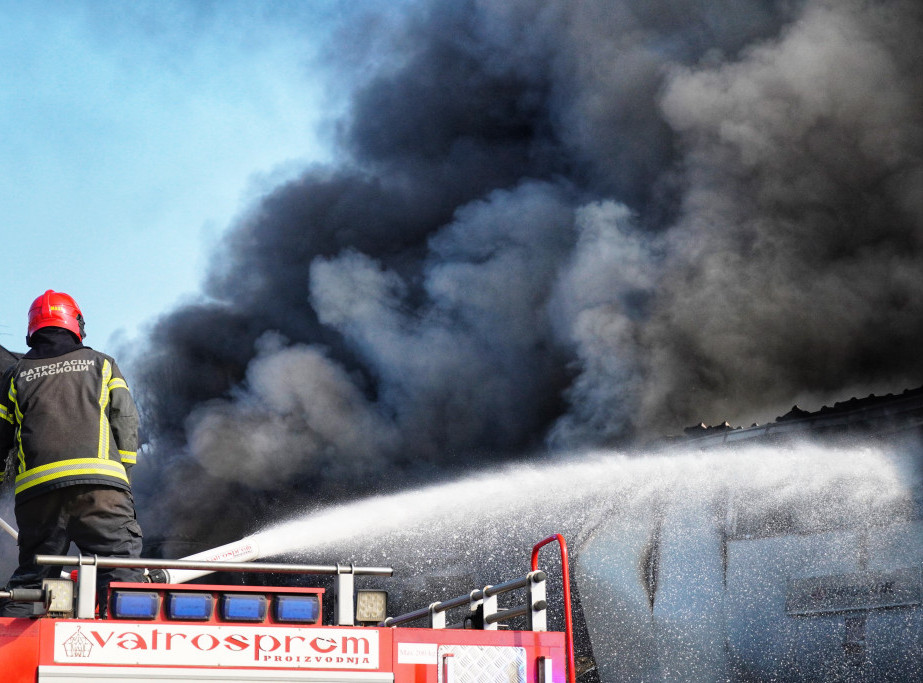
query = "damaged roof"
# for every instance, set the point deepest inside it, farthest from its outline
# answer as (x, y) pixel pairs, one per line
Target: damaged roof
(869, 415)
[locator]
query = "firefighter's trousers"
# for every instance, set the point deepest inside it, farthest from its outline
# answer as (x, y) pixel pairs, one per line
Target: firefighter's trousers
(99, 520)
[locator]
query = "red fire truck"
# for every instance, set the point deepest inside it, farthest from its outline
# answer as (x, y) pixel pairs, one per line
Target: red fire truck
(170, 630)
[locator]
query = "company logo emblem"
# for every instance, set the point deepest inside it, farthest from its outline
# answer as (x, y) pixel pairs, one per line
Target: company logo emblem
(78, 645)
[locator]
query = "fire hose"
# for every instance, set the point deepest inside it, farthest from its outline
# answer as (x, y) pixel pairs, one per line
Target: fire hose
(244, 550)
(9, 529)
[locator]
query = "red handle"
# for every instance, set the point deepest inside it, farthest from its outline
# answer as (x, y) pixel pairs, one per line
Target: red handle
(568, 619)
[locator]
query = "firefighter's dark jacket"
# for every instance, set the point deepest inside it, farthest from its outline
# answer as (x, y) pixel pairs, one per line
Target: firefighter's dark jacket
(68, 417)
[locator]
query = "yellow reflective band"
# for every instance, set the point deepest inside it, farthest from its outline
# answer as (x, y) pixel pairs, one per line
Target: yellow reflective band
(116, 383)
(103, 402)
(14, 399)
(131, 457)
(20, 455)
(76, 462)
(70, 468)
(5, 414)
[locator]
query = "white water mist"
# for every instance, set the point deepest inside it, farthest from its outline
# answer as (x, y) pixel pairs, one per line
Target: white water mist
(518, 504)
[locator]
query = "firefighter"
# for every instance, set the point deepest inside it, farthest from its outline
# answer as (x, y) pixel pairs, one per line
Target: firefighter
(70, 427)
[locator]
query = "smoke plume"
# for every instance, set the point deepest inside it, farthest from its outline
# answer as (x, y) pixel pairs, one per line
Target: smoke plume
(554, 223)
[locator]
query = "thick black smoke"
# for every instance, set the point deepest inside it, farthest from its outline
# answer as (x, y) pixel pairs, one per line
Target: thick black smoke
(565, 223)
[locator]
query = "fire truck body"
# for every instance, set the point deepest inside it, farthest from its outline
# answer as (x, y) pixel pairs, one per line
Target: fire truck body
(194, 632)
(69, 650)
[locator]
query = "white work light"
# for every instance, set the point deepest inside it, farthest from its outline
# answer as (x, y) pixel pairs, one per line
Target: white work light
(371, 606)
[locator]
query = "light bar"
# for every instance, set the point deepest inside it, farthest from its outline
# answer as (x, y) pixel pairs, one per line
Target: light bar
(296, 609)
(371, 606)
(239, 607)
(135, 605)
(189, 606)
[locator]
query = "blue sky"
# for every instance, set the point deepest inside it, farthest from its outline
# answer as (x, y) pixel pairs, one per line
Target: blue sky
(133, 133)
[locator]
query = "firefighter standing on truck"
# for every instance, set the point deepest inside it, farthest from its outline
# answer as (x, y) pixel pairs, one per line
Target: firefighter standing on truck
(70, 427)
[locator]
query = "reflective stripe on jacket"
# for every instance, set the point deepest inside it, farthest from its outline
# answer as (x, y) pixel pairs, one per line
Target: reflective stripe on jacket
(70, 420)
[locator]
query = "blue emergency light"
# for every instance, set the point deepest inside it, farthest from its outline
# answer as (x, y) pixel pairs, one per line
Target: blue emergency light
(296, 609)
(242, 607)
(190, 606)
(135, 605)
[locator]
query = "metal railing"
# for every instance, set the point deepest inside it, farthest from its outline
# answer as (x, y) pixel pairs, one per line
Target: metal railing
(483, 603)
(344, 613)
(568, 611)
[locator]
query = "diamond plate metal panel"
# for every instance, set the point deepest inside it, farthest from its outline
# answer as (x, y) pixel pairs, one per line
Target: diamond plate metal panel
(483, 664)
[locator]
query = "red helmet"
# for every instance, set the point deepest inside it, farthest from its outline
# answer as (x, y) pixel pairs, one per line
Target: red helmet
(56, 309)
